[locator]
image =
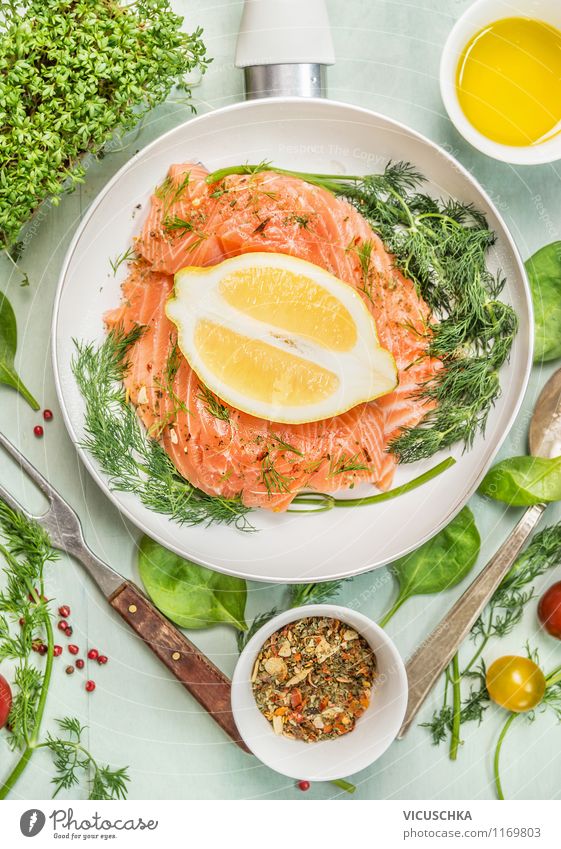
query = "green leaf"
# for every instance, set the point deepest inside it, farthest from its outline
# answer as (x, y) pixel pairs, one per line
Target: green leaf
(190, 595)
(8, 347)
(523, 481)
(440, 563)
(544, 273)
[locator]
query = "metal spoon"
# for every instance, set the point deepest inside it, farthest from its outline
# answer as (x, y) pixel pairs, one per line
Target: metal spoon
(435, 653)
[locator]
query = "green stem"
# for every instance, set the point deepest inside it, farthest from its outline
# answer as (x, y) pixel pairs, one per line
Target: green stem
(393, 609)
(71, 744)
(32, 742)
(475, 656)
(331, 182)
(496, 759)
(553, 677)
(328, 501)
(16, 772)
(456, 708)
(344, 785)
(306, 592)
(447, 682)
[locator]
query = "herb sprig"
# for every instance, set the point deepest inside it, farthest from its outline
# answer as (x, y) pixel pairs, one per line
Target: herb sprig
(213, 404)
(25, 616)
(71, 761)
(503, 613)
(133, 461)
(441, 245)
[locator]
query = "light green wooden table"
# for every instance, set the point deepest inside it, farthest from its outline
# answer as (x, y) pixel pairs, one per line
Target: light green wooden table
(387, 60)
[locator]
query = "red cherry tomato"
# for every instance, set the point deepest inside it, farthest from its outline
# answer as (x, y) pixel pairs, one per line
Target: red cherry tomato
(549, 610)
(515, 683)
(5, 701)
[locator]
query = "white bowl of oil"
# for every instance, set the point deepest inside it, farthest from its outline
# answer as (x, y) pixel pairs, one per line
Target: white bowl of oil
(500, 79)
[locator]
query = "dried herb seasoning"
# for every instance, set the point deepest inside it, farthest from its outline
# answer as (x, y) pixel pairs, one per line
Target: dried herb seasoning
(312, 679)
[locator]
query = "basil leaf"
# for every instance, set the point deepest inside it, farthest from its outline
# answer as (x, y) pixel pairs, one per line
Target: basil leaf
(523, 481)
(190, 595)
(544, 273)
(440, 563)
(8, 347)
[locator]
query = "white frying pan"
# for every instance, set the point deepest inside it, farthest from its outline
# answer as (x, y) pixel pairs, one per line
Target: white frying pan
(309, 134)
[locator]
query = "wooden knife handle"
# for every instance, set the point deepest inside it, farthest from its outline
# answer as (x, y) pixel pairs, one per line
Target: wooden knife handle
(209, 686)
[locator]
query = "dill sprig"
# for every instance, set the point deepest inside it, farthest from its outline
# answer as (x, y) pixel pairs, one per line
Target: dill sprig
(285, 445)
(506, 607)
(502, 614)
(243, 637)
(472, 709)
(180, 227)
(314, 593)
(441, 245)
(346, 464)
(364, 253)
(166, 385)
(299, 594)
(71, 761)
(273, 480)
(132, 460)
(25, 619)
(213, 404)
(128, 256)
(170, 192)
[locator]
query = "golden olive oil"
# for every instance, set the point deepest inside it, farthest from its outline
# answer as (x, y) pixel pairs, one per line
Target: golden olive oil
(509, 81)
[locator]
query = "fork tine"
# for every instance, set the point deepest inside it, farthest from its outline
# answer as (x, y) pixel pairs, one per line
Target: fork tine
(28, 468)
(12, 503)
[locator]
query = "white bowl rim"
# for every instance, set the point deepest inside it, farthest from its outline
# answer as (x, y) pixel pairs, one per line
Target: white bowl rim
(241, 679)
(459, 36)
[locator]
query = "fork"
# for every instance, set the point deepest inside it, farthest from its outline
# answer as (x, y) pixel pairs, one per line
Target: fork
(206, 683)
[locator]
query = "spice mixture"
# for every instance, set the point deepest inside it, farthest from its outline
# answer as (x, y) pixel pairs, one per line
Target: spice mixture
(312, 679)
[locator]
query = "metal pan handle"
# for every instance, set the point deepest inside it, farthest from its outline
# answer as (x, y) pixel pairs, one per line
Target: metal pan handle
(283, 47)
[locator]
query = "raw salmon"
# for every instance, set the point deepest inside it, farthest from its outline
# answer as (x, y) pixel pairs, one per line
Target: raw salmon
(233, 454)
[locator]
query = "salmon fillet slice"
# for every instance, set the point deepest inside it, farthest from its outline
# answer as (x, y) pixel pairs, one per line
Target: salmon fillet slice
(234, 454)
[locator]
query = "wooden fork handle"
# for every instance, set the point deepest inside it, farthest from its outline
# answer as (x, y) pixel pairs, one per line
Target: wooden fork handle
(206, 683)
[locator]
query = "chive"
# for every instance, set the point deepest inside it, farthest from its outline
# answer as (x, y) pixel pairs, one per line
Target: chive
(327, 502)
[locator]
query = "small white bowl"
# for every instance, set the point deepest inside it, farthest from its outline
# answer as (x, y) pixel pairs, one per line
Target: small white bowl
(374, 732)
(484, 12)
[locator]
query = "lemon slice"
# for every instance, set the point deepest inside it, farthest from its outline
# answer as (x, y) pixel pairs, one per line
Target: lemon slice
(279, 337)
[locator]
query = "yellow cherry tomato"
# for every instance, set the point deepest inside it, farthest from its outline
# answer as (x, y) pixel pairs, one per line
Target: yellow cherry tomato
(515, 683)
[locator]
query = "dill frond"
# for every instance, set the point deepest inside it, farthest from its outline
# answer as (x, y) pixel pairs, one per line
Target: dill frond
(285, 445)
(127, 256)
(273, 480)
(213, 404)
(180, 227)
(131, 459)
(243, 637)
(506, 608)
(71, 759)
(301, 594)
(345, 464)
(166, 385)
